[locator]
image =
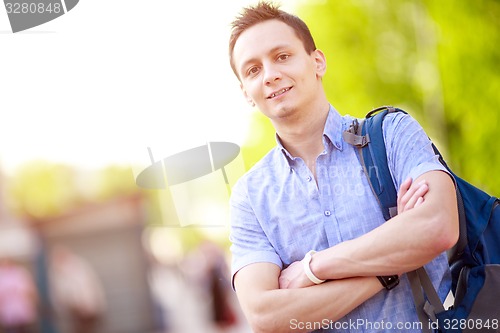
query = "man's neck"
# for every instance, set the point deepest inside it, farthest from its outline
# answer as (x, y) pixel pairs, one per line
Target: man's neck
(304, 137)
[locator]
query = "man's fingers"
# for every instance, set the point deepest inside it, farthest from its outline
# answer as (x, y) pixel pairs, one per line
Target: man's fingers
(402, 191)
(405, 186)
(283, 283)
(405, 196)
(411, 192)
(417, 192)
(420, 200)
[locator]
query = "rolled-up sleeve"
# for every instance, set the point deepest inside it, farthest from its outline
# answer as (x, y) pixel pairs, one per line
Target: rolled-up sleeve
(250, 243)
(409, 149)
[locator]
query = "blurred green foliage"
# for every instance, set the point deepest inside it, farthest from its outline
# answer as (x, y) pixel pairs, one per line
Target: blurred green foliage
(40, 189)
(438, 60)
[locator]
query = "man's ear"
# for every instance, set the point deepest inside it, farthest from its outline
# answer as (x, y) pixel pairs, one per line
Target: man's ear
(320, 60)
(249, 100)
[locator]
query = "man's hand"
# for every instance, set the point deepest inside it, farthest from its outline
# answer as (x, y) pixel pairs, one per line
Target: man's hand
(294, 277)
(411, 195)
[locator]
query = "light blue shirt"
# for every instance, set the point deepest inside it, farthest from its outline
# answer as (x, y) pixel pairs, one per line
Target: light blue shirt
(279, 213)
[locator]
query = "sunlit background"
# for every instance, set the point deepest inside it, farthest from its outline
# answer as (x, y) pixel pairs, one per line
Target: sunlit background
(90, 100)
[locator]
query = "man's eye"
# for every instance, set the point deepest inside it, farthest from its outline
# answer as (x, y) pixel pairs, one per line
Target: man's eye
(283, 57)
(253, 71)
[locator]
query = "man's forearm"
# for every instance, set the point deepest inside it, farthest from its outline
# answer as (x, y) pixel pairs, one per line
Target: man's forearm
(295, 310)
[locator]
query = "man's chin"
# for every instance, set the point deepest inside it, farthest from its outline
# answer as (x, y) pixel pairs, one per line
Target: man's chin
(284, 111)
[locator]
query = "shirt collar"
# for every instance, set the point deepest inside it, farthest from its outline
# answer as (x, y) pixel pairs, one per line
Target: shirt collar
(333, 128)
(282, 149)
(332, 133)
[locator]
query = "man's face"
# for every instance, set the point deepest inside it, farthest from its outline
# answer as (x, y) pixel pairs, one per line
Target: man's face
(275, 71)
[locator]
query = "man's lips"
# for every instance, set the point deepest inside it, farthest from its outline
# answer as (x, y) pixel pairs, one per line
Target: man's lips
(279, 92)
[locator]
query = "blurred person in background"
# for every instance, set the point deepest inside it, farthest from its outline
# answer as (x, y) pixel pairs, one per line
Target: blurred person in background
(76, 289)
(18, 298)
(219, 287)
(205, 269)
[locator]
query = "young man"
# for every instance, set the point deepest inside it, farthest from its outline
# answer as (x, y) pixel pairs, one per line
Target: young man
(309, 193)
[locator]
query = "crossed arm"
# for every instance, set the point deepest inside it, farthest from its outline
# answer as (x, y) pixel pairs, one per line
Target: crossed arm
(426, 226)
(270, 309)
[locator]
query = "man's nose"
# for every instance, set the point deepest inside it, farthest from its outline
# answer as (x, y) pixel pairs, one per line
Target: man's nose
(271, 74)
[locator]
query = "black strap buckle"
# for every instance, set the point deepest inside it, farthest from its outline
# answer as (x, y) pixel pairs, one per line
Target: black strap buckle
(389, 282)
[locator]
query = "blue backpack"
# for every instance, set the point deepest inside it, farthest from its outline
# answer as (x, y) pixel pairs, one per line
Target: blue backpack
(475, 259)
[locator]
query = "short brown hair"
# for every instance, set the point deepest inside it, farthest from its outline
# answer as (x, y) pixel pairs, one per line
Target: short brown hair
(265, 11)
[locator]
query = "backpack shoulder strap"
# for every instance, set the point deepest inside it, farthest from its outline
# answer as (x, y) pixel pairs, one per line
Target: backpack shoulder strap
(367, 136)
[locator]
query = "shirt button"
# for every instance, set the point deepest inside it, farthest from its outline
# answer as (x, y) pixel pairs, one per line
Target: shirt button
(327, 213)
(309, 178)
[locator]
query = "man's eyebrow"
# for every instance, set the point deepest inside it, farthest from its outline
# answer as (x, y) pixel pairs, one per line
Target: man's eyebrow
(271, 51)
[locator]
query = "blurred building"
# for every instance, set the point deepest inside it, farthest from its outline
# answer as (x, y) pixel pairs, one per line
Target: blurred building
(108, 236)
